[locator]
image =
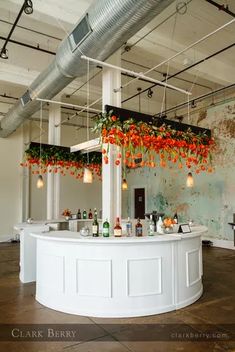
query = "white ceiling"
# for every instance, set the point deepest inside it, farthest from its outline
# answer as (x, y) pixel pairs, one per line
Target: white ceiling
(166, 35)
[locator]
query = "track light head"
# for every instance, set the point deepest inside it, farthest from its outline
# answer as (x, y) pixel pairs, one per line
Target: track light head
(193, 104)
(28, 7)
(4, 54)
(150, 93)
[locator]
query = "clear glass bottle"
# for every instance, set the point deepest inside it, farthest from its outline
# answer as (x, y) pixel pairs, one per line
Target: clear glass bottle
(84, 214)
(138, 228)
(90, 216)
(106, 228)
(128, 227)
(95, 227)
(151, 226)
(79, 215)
(160, 226)
(117, 228)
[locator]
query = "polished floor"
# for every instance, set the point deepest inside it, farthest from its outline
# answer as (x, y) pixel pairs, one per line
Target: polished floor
(214, 312)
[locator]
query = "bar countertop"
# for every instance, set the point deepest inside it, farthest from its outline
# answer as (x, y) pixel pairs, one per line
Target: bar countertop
(70, 236)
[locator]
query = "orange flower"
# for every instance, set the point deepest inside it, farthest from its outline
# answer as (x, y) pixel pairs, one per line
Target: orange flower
(114, 118)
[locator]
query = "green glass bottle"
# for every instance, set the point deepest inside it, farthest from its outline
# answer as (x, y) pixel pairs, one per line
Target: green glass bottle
(95, 227)
(84, 214)
(106, 228)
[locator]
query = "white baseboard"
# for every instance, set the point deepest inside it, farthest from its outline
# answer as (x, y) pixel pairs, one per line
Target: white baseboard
(5, 238)
(220, 243)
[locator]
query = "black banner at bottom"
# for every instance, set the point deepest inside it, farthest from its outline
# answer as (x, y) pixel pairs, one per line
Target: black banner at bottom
(123, 332)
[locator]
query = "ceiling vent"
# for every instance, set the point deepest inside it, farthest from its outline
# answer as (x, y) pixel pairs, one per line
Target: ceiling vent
(25, 99)
(80, 33)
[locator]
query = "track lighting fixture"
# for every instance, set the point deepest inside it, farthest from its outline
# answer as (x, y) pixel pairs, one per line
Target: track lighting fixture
(28, 7)
(150, 93)
(4, 53)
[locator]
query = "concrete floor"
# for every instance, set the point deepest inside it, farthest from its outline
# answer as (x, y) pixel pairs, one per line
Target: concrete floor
(216, 308)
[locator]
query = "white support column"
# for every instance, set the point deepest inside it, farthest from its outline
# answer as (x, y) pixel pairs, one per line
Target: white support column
(111, 174)
(26, 175)
(53, 180)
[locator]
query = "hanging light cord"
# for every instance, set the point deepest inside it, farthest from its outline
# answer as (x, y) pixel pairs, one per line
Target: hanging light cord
(87, 103)
(40, 140)
(168, 65)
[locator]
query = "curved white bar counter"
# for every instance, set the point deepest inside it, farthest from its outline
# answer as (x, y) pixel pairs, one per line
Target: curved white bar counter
(118, 277)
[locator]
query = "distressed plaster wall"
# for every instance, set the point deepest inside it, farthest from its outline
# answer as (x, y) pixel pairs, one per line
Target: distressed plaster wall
(211, 201)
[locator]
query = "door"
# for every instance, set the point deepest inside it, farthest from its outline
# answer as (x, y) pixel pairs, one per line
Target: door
(139, 203)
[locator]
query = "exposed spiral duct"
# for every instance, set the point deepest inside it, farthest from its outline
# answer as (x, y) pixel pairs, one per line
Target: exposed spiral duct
(105, 27)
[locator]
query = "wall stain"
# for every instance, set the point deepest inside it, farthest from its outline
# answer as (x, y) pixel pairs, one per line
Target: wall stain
(212, 200)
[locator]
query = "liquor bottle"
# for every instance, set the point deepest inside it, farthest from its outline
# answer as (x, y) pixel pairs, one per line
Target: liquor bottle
(90, 216)
(151, 226)
(117, 228)
(95, 227)
(106, 228)
(138, 228)
(84, 214)
(79, 214)
(160, 226)
(128, 227)
(176, 218)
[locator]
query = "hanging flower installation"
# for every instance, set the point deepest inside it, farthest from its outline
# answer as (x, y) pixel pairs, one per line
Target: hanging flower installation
(58, 159)
(143, 144)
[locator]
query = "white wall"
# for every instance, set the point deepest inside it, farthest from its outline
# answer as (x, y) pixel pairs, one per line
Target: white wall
(10, 183)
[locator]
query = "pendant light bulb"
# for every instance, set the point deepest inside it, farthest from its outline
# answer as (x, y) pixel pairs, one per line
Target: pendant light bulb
(190, 180)
(87, 177)
(124, 185)
(40, 182)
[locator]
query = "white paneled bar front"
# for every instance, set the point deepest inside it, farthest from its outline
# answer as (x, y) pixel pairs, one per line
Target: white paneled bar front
(118, 277)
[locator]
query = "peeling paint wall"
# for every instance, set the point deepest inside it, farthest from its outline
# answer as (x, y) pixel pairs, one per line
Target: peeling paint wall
(211, 201)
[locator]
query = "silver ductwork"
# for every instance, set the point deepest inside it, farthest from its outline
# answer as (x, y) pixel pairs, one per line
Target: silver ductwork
(107, 25)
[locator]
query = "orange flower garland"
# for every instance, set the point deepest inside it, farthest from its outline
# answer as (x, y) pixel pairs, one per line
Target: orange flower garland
(144, 144)
(58, 161)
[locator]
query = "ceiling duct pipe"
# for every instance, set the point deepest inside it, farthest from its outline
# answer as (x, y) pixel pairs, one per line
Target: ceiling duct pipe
(105, 27)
